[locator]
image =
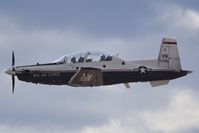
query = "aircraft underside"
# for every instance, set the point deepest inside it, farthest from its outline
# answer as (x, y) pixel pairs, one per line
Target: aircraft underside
(108, 77)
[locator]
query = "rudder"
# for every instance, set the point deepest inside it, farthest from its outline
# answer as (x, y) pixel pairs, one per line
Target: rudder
(169, 56)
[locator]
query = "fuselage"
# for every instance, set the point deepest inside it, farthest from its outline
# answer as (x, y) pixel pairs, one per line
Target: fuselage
(115, 71)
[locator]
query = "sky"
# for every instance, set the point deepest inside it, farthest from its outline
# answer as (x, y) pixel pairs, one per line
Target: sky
(42, 31)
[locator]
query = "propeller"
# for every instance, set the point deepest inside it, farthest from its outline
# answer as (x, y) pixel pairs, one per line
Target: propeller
(13, 69)
(13, 84)
(13, 58)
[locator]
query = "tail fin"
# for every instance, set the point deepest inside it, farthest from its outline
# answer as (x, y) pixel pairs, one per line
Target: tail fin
(169, 57)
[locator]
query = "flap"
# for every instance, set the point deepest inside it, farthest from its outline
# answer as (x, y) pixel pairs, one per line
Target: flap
(159, 83)
(87, 77)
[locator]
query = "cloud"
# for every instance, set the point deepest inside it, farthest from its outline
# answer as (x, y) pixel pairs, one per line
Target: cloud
(32, 129)
(181, 114)
(180, 17)
(49, 44)
(114, 126)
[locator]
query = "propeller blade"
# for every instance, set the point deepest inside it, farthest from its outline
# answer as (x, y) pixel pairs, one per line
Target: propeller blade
(13, 69)
(13, 83)
(13, 58)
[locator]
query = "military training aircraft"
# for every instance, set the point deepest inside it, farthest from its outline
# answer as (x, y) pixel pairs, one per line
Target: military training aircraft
(98, 69)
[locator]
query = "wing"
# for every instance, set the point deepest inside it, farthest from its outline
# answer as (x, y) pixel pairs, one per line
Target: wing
(87, 77)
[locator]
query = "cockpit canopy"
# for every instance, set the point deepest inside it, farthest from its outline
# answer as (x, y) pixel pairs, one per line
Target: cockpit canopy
(84, 57)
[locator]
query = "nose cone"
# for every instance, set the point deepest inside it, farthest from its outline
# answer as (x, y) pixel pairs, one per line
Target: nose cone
(10, 71)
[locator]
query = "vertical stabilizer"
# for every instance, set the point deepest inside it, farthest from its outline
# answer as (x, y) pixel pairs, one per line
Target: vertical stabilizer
(169, 56)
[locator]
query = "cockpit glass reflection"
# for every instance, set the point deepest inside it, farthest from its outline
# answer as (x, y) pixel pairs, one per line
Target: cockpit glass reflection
(84, 58)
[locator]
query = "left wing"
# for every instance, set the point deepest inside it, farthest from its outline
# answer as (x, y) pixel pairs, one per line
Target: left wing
(87, 77)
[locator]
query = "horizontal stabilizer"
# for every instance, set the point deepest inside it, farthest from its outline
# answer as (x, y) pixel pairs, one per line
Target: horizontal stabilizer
(159, 83)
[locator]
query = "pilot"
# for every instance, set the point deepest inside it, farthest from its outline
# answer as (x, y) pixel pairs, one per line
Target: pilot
(103, 57)
(109, 58)
(88, 60)
(81, 59)
(73, 60)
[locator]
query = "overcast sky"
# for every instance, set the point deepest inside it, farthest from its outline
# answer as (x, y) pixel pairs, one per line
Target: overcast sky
(44, 30)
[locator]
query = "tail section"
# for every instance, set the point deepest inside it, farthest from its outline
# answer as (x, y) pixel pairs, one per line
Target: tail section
(169, 56)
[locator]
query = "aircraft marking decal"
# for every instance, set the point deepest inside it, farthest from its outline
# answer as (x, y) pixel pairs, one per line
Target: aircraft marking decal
(142, 69)
(86, 77)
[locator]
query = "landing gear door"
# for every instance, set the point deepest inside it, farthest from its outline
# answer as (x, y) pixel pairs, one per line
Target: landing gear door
(87, 77)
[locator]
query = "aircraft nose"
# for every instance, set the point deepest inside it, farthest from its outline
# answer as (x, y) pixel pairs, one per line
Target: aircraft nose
(10, 71)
